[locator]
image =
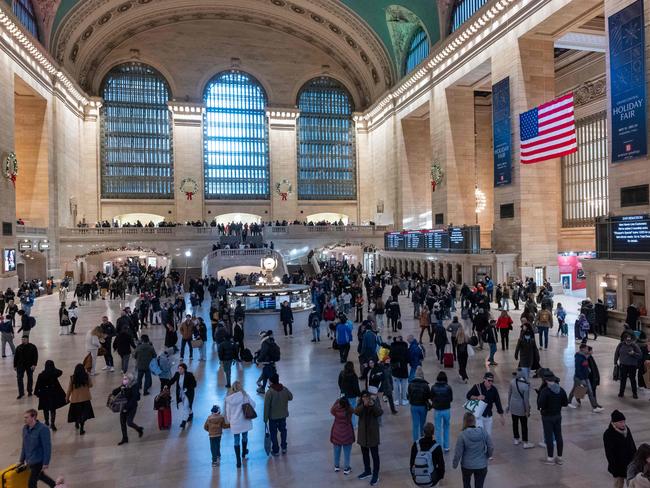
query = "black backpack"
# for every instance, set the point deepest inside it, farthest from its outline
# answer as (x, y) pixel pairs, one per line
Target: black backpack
(274, 352)
(247, 356)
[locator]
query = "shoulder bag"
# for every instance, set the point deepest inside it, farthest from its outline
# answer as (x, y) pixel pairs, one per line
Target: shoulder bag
(248, 410)
(475, 407)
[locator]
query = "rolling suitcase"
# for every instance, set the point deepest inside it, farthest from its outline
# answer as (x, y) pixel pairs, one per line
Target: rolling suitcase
(448, 359)
(164, 418)
(15, 476)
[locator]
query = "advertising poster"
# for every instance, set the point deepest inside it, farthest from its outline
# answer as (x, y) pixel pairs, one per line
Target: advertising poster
(501, 133)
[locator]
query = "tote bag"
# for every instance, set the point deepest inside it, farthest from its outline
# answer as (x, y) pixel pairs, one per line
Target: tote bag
(475, 407)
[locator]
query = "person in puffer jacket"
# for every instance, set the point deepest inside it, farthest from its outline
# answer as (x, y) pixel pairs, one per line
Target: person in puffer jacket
(473, 450)
(441, 398)
(418, 396)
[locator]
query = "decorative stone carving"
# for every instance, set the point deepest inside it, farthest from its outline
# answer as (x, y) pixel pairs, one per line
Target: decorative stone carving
(590, 91)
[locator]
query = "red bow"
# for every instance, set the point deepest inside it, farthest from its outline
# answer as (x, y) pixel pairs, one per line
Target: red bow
(433, 185)
(189, 194)
(283, 196)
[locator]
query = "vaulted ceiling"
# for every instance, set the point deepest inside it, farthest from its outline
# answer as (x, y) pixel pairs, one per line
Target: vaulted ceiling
(363, 37)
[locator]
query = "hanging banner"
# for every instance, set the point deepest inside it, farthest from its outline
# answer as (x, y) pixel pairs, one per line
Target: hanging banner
(627, 77)
(501, 133)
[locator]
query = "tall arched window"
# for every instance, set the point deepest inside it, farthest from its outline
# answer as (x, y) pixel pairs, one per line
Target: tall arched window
(418, 50)
(463, 10)
(24, 11)
(326, 149)
(136, 135)
(235, 138)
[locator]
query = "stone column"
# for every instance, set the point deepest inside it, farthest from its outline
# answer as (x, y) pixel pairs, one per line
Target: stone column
(88, 197)
(188, 158)
(366, 195)
(534, 191)
(284, 163)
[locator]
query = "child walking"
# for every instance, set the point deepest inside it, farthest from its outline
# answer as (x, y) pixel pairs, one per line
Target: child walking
(214, 425)
(162, 403)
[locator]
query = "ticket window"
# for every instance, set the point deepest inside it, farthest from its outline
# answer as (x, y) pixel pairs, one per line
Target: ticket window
(636, 293)
(609, 286)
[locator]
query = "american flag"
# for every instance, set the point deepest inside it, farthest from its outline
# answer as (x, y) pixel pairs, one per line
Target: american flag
(548, 131)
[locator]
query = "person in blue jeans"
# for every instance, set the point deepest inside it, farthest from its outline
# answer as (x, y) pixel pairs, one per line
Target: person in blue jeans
(418, 396)
(415, 357)
(490, 337)
(276, 411)
(441, 398)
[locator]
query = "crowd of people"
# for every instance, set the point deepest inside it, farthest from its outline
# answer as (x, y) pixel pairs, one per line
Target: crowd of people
(460, 321)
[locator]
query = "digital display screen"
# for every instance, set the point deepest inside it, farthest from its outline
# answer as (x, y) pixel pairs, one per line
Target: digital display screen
(414, 241)
(267, 303)
(9, 260)
(631, 234)
(436, 240)
(394, 241)
(252, 303)
(456, 239)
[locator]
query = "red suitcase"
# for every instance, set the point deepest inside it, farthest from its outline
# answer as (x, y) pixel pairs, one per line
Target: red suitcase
(448, 359)
(164, 418)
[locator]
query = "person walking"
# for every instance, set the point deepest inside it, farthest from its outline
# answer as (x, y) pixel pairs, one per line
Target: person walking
(462, 354)
(453, 329)
(36, 451)
(415, 357)
(398, 354)
(544, 323)
(227, 353)
(519, 407)
(131, 392)
(473, 450)
(504, 324)
(73, 315)
(487, 392)
(393, 313)
(627, 356)
(562, 328)
(343, 337)
(427, 448)
(25, 361)
(369, 410)
(425, 323)
(143, 355)
(214, 425)
(239, 424)
(50, 394)
(286, 318)
(79, 398)
(123, 345)
(276, 411)
(186, 329)
(581, 379)
(419, 394)
(185, 386)
(526, 352)
(342, 433)
(93, 341)
(441, 398)
(7, 335)
(619, 448)
(440, 340)
(313, 321)
(550, 401)
(108, 331)
(349, 386)
(491, 339)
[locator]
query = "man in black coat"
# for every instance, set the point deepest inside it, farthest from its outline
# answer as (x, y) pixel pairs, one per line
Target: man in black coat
(619, 447)
(601, 317)
(25, 360)
(227, 352)
(286, 317)
(632, 315)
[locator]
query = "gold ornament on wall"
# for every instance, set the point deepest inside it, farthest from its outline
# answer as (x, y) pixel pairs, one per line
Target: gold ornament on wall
(10, 167)
(284, 189)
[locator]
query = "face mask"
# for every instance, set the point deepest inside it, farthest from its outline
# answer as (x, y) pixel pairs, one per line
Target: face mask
(125, 382)
(527, 337)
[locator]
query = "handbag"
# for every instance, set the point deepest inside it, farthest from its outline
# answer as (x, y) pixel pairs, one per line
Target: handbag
(116, 403)
(399, 325)
(88, 362)
(617, 372)
(475, 407)
(267, 439)
(580, 392)
(249, 411)
(101, 351)
(473, 341)
(196, 343)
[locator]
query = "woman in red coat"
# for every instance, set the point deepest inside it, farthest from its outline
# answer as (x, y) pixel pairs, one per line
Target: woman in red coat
(342, 436)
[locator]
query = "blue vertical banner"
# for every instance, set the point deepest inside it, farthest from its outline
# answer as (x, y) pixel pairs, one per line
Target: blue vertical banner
(501, 136)
(627, 77)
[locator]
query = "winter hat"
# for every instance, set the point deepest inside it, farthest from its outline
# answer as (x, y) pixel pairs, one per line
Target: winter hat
(617, 416)
(548, 375)
(215, 409)
(488, 376)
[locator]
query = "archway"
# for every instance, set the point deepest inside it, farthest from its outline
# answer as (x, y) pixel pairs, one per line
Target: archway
(244, 218)
(31, 265)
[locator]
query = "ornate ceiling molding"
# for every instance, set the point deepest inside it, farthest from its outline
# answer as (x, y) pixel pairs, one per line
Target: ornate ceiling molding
(95, 27)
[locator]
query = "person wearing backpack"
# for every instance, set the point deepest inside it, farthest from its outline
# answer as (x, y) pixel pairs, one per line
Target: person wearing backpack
(267, 356)
(427, 461)
(441, 398)
(343, 337)
(314, 324)
(473, 450)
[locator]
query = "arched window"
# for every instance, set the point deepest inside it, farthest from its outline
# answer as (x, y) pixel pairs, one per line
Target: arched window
(235, 138)
(418, 50)
(326, 148)
(136, 134)
(24, 11)
(463, 10)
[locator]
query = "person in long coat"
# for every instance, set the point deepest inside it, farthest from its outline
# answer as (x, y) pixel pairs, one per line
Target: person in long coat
(185, 386)
(50, 394)
(239, 424)
(369, 411)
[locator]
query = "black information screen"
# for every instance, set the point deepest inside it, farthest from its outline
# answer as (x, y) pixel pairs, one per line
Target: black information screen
(414, 241)
(436, 240)
(631, 234)
(394, 241)
(456, 239)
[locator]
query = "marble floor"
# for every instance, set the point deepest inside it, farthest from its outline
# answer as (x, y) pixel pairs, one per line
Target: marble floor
(182, 459)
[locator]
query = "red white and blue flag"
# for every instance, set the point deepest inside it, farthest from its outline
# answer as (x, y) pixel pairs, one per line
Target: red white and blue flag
(548, 131)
